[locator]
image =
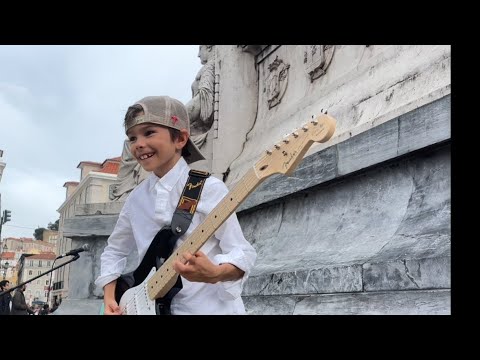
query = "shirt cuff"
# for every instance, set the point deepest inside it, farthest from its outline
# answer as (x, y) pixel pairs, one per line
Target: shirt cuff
(113, 273)
(231, 290)
(106, 279)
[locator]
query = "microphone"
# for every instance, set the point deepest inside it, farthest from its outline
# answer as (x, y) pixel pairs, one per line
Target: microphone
(85, 247)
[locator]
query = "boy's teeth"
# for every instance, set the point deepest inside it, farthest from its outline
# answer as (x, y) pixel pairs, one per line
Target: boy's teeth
(143, 157)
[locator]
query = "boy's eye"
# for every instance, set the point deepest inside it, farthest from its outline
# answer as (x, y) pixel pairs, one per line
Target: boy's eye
(149, 132)
(132, 138)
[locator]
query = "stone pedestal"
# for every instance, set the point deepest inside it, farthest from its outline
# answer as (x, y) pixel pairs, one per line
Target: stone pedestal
(92, 225)
(362, 227)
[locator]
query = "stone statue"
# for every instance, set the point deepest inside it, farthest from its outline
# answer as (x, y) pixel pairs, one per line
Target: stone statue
(130, 175)
(200, 111)
(200, 107)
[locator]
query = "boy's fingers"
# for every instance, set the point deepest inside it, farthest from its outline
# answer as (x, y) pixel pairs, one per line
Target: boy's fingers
(179, 267)
(200, 254)
(188, 256)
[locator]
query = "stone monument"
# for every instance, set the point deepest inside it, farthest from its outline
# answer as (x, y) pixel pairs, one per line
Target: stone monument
(363, 225)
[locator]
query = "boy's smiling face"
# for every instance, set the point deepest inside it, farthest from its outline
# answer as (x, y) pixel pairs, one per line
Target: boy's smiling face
(153, 147)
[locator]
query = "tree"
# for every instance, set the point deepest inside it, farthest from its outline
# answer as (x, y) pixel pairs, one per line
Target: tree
(38, 234)
(53, 226)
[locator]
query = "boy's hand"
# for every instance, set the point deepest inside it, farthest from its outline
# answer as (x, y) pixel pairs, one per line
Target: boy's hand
(110, 304)
(197, 268)
(111, 308)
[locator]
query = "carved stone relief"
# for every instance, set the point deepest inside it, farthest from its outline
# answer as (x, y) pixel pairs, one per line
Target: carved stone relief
(317, 58)
(276, 82)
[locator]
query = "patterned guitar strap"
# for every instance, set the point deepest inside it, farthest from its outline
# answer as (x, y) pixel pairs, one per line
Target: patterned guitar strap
(182, 217)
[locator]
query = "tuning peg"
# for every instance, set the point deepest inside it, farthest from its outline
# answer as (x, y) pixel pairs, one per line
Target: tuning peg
(268, 151)
(305, 128)
(295, 133)
(277, 146)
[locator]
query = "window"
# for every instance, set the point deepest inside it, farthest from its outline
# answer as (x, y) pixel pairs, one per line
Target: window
(48, 263)
(39, 263)
(30, 272)
(46, 282)
(39, 272)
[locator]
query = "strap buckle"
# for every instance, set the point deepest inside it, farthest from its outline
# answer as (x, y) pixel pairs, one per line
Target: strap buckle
(199, 173)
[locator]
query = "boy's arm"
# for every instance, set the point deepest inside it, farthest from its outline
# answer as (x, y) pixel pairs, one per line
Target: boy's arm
(111, 306)
(199, 268)
(237, 257)
(114, 257)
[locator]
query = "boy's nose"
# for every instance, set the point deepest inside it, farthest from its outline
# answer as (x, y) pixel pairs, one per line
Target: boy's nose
(140, 143)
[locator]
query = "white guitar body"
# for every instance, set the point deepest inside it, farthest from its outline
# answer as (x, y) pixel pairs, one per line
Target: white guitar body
(135, 301)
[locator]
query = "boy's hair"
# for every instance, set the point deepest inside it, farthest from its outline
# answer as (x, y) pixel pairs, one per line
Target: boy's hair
(134, 110)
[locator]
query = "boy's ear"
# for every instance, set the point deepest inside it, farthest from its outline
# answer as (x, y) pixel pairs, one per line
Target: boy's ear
(182, 139)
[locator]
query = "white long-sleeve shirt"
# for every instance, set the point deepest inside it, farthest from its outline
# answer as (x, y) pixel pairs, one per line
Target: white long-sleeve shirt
(148, 208)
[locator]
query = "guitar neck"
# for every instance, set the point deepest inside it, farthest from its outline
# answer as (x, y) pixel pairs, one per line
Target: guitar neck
(162, 281)
(281, 159)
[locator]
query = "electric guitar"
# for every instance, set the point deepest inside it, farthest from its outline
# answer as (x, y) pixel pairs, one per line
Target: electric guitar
(152, 281)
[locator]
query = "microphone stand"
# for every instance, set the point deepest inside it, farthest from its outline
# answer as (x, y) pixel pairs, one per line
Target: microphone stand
(75, 257)
(50, 285)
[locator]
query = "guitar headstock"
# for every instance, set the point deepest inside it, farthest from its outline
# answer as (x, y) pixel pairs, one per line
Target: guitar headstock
(285, 155)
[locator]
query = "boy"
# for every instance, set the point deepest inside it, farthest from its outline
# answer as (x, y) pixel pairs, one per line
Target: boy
(158, 130)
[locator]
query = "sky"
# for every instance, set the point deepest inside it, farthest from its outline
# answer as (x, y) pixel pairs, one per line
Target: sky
(60, 105)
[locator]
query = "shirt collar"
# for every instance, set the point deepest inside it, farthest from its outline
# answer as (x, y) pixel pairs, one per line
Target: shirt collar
(169, 180)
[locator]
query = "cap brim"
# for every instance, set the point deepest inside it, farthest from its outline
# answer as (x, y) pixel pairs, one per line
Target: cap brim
(195, 154)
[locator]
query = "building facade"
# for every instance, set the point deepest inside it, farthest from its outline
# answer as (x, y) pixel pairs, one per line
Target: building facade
(30, 266)
(94, 187)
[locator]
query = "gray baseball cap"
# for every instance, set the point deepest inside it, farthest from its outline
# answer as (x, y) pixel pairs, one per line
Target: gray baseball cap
(170, 112)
